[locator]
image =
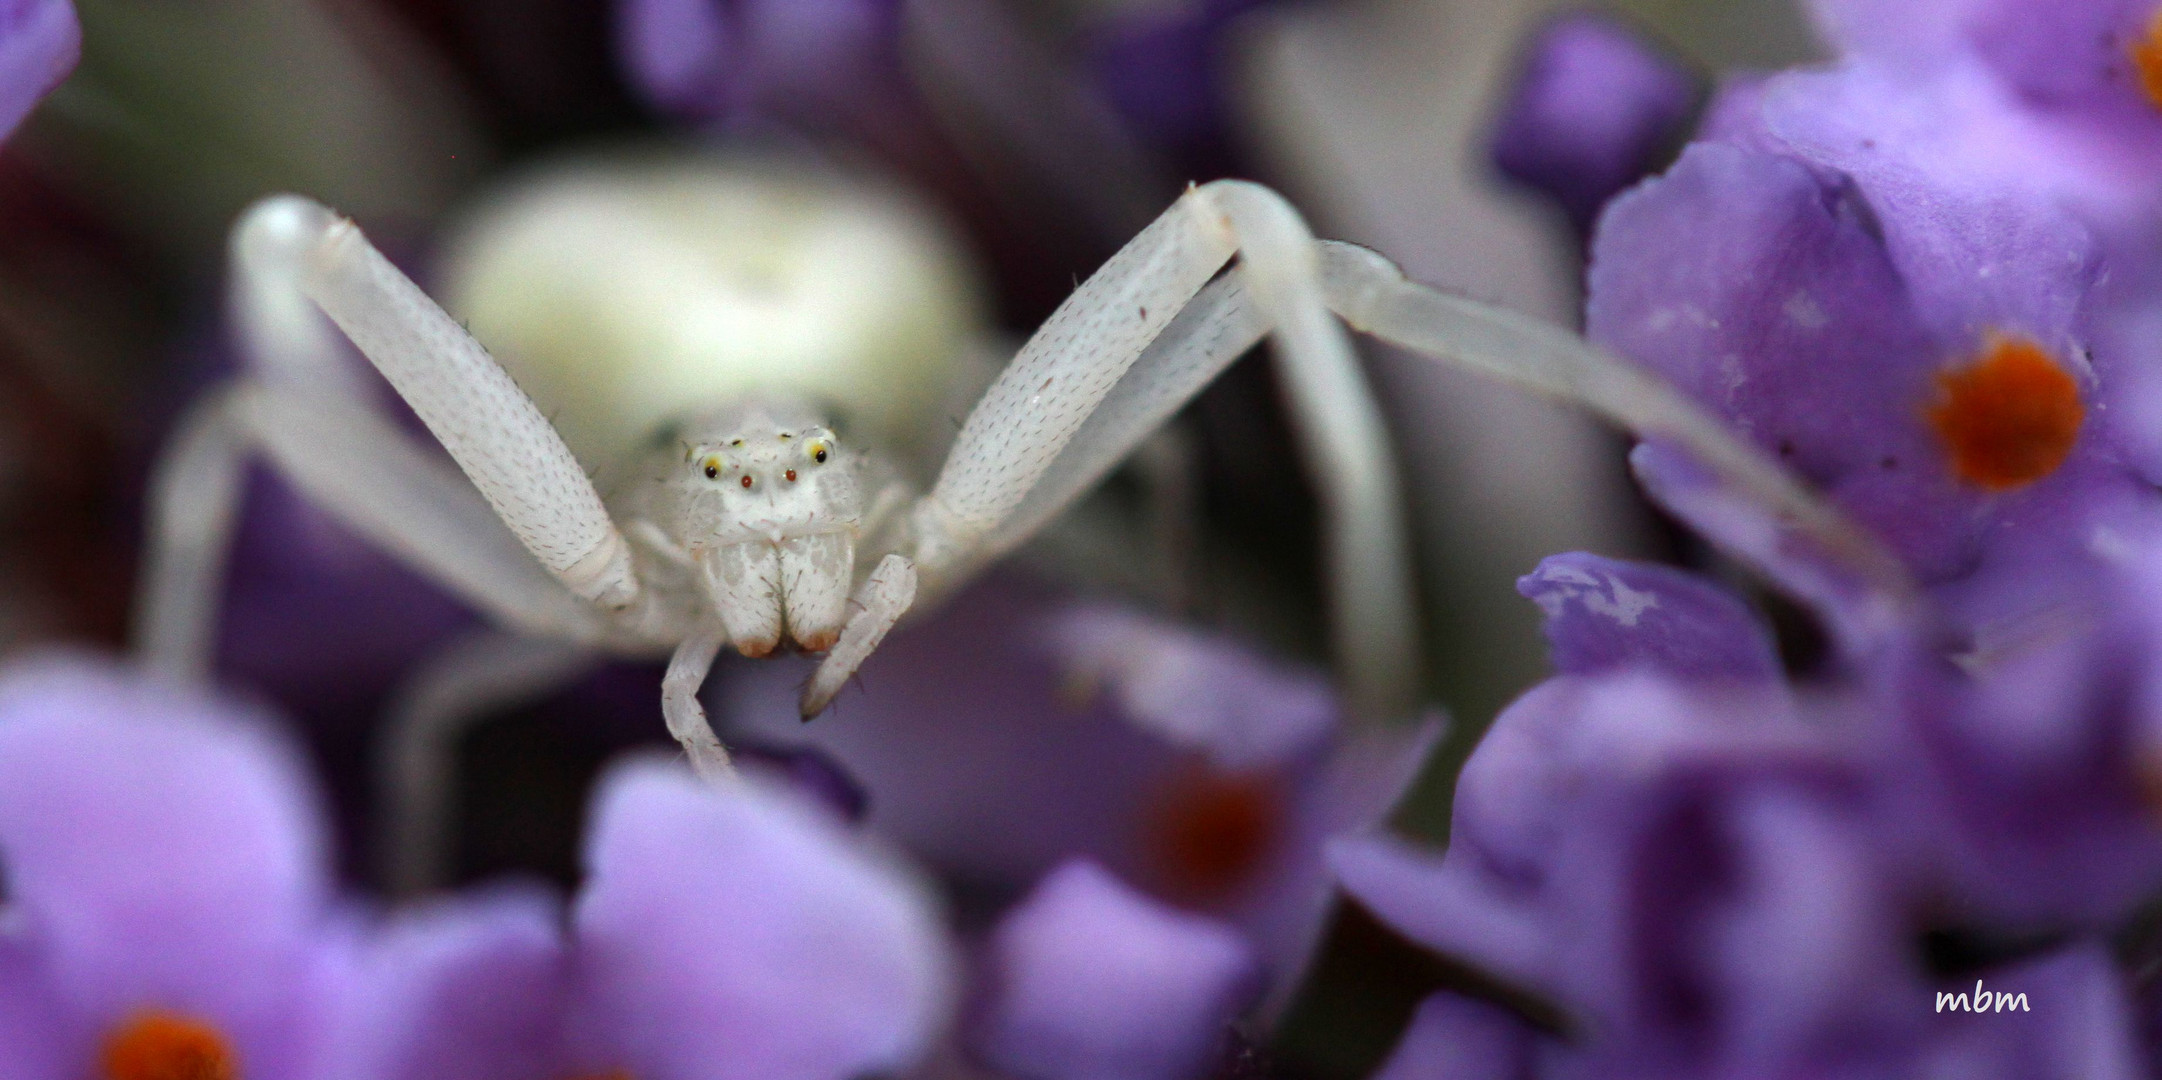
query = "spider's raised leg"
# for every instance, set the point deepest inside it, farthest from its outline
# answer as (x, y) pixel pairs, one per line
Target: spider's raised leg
(303, 411)
(1028, 416)
(1372, 295)
(1365, 541)
(360, 468)
(1133, 344)
(492, 430)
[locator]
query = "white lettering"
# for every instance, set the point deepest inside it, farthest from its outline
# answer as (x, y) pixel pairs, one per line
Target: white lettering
(1983, 1000)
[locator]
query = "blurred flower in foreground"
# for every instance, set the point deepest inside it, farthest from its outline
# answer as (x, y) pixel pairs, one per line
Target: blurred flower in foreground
(1020, 731)
(171, 915)
(1089, 980)
(168, 897)
(39, 43)
(739, 933)
(1592, 111)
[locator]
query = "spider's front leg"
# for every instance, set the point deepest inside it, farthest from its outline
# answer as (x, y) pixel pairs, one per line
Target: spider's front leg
(300, 409)
(492, 429)
(527, 539)
(878, 603)
(1136, 341)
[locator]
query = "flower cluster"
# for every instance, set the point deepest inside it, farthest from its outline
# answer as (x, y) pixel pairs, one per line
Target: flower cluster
(1138, 811)
(1922, 278)
(170, 913)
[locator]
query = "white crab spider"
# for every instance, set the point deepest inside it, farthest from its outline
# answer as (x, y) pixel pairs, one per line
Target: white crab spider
(739, 533)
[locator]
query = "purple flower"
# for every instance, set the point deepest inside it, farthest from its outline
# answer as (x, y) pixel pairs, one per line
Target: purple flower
(1089, 980)
(170, 909)
(39, 43)
(719, 934)
(1713, 874)
(748, 928)
(168, 887)
(2071, 104)
(726, 59)
(1708, 885)
(1593, 108)
(2075, 1024)
(1166, 69)
(1605, 613)
(1693, 875)
(1462, 1039)
(1910, 336)
(1925, 277)
(2088, 55)
(1017, 731)
(2031, 765)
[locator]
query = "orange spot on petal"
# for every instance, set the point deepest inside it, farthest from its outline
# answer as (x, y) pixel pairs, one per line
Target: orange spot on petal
(1208, 832)
(165, 1046)
(2011, 418)
(2147, 59)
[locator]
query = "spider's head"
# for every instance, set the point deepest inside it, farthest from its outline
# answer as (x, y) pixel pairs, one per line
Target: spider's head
(778, 507)
(782, 481)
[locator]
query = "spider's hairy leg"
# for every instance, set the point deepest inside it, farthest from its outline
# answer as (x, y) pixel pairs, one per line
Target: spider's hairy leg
(1372, 295)
(880, 602)
(1136, 341)
(491, 428)
(1029, 415)
(1365, 542)
(686, 718)
(355, 465)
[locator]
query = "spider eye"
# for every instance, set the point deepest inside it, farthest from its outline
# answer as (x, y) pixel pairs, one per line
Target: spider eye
(713, 468)
(819, 450)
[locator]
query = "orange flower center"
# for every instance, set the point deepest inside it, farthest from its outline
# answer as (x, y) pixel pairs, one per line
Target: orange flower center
(2147, 59)
(1209, 831)
(165, 1046)
(2011, 418)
